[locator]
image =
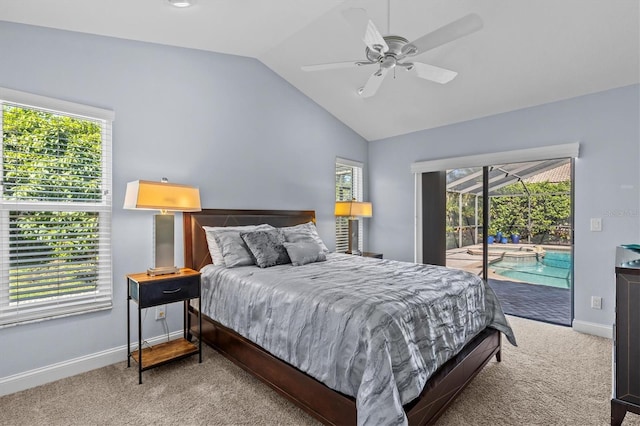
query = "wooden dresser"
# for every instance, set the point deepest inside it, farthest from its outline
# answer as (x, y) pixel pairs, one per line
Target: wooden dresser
(626, 340)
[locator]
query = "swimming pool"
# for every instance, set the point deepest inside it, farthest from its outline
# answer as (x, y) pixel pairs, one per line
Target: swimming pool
(554, 269)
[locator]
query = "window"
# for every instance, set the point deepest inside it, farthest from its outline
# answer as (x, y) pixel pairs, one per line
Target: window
(55, 208)
(348, 187)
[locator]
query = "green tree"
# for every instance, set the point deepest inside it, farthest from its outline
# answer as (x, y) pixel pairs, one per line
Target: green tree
(542, 212)
(50, 157)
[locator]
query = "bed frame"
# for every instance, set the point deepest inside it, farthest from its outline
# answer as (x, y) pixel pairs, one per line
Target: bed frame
(323, 403)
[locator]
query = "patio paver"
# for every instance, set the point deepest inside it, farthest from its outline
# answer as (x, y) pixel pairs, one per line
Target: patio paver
(533, 301)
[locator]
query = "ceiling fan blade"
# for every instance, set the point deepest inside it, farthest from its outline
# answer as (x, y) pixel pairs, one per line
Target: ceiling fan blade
(437, 74)
(462, 27)
(373, 84)
(365, 28)
(335, 65)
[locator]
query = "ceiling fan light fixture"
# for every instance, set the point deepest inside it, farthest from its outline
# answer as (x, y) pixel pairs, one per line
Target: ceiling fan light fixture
(180, 3)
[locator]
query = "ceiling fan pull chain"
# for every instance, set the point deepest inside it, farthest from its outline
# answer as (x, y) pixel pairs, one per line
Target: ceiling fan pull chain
(388, 17)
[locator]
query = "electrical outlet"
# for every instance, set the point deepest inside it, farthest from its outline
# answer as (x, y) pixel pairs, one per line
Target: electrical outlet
(161, 312)
(596, 224)
(596, 302)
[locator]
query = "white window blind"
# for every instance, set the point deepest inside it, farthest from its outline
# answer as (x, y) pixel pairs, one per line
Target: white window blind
(348, 187)
(55, 208)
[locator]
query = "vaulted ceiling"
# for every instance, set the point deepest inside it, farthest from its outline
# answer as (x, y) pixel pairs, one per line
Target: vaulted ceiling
(527, 53)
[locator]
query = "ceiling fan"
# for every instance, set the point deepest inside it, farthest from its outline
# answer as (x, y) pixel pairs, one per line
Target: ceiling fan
(392, 51)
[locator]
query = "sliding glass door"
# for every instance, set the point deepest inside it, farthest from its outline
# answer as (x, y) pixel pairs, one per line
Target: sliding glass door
(530, 260)
(510, 223)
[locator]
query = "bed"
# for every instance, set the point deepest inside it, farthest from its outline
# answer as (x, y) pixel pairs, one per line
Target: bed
(312, 395)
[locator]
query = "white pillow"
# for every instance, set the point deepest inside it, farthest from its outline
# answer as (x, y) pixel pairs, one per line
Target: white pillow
(294, 234)
(235, 249)
(304, 252)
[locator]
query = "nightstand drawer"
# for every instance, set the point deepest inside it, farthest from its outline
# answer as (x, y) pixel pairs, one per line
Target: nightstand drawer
(169, 291)
(165, 291)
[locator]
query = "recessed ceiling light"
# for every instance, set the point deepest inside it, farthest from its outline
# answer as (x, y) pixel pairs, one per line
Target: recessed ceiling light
(180, 3)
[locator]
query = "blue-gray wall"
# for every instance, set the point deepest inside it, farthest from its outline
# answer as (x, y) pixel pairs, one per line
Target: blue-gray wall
(228, 124)
(607, 179)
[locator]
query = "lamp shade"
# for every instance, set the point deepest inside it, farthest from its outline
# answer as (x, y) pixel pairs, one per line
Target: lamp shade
(147, 195)
(353, 209)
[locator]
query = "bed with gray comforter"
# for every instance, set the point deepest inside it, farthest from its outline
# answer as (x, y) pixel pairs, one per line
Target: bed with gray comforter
(372, 329)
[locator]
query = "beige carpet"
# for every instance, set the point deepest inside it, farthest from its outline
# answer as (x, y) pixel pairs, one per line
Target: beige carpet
(555, 377)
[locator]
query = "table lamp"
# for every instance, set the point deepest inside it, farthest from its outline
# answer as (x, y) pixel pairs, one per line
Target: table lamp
(165, 197)
(353, 210)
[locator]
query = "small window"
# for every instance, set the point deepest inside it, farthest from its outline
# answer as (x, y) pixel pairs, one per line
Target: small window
(55, 208)
(348, 187)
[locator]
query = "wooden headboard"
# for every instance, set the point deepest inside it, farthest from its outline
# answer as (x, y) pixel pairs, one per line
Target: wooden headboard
(196, 250)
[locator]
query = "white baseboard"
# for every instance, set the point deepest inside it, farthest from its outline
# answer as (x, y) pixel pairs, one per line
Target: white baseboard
(593, 328)
(53, 372)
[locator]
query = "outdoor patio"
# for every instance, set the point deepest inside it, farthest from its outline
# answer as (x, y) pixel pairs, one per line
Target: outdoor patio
(533, 301)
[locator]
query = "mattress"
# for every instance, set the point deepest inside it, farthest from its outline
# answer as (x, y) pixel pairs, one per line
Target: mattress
(369, 328)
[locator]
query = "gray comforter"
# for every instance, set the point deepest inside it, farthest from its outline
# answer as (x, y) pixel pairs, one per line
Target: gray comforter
(373, 329)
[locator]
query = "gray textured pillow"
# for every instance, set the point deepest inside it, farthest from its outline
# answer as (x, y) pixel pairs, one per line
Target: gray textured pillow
(304, 252)
(266, 247)
(227, 247)
(294, 234)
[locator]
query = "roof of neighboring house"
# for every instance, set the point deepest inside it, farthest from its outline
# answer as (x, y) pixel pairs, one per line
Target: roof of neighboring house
(559, 174)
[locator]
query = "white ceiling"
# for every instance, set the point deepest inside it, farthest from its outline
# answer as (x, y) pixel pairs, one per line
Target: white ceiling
(528, 53)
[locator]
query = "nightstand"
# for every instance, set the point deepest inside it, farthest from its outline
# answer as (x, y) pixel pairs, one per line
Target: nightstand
(148, 291)
(368, 254)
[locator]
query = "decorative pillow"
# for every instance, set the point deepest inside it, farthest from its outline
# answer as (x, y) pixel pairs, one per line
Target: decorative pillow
(266, 247)
(293, 234)
(227, 247)
(304, 252)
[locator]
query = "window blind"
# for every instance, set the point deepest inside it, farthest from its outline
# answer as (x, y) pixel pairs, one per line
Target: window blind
(55, 209)
(348, 186)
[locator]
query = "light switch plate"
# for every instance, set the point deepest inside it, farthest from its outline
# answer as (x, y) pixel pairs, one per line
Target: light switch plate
(596, 224)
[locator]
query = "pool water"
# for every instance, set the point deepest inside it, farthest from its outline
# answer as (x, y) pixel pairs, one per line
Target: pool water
(554, 270)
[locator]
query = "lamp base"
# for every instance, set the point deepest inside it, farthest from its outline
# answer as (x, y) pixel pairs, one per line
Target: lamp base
(353, 237)
(162, 270)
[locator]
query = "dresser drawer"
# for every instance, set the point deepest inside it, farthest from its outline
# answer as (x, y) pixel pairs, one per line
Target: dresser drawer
(165, 291)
